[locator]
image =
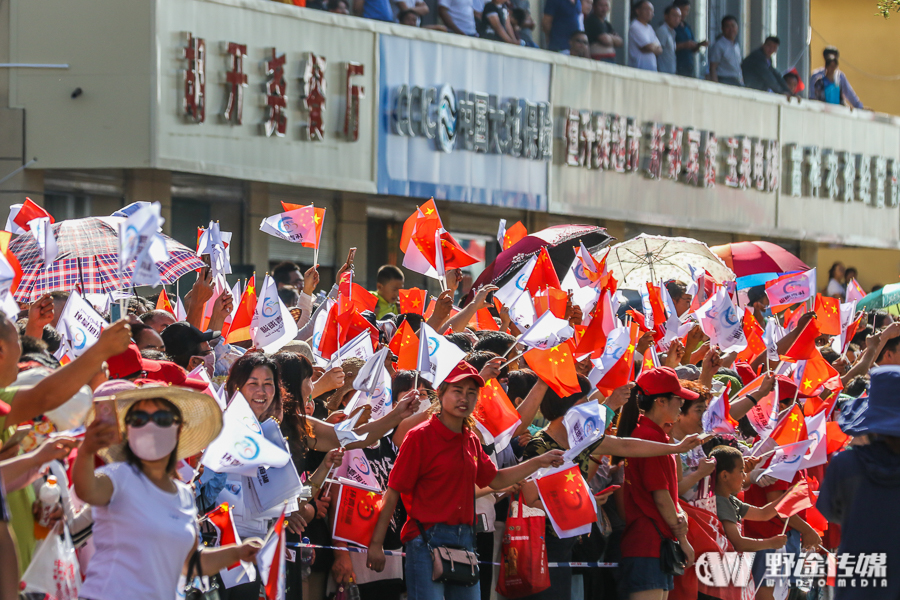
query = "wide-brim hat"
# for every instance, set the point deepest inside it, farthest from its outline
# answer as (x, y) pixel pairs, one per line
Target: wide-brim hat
(201, 418)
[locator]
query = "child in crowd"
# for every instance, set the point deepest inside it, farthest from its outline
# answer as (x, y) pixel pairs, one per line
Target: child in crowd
(731, 511)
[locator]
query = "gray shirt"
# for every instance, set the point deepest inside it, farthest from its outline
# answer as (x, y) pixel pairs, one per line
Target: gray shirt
(730, 509)
(727, 55)
(665, 62)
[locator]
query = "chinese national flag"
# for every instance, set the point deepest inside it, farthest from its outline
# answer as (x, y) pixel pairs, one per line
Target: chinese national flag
(496, 413)
(5, 237)
(428, 218)
(405, 346)
(792, 316)
(30, 211)
(593, 339)
(656, 304)
(455, 257)
(271, 561)
(804, 347)
(753, 332)
(413, 301)
(309, 223)
(837, 439)
(815, 373)
(791, 429)
(828, 314)
(357, 513)
(162, 303)
(226, 532)
(543, 275)
(344, 326)
(814, 405)
(556, 366)
(357, 295)
(568, 501)
(243, 316)
(552, 299)
(622, 372)
(514, 234)
(796, 499)
(483, 320)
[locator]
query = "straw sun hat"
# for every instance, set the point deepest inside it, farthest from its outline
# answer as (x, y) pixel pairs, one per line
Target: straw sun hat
(201, 418)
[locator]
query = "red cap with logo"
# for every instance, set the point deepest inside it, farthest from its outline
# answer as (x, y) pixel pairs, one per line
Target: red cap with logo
(663, 380)
(169, 372)
(464, 371)
(130, 363)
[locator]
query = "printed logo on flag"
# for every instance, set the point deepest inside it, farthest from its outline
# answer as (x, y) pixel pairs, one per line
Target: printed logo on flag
(361, 465)
(252, 424)
(522, 281)
(247, 448)
(80, 338)
(433, 346)
(132, 236)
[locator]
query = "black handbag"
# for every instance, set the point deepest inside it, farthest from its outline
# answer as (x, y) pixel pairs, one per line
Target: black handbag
(190, 591)
(672, 558)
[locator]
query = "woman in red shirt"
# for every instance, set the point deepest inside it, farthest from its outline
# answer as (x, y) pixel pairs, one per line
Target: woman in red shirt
(651, 486)
(439, 464)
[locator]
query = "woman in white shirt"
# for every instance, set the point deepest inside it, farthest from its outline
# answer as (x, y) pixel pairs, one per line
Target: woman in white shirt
(145, 520)
(836, 287)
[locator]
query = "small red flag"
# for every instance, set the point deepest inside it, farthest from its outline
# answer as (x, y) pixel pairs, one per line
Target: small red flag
(543, 275)
(791, 428)
(551, 299)
(568, 501)
(513, 235)
(358, 508)
(483, 320)
(309, 223)
(837, 439)
(556, 366)
(430, 214)
(30, 211)
(804, 347)
(496, 413)
(358, 296)
(815, 372)
(796, 499)
(622, 372)
(405, 346)
(413, 301)
(162, 303)
(754, 334)
(828, 314)
(226, 532)
(243, 316)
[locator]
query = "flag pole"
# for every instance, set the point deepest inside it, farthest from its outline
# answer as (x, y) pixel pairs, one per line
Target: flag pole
(513, 359)
(316, 249)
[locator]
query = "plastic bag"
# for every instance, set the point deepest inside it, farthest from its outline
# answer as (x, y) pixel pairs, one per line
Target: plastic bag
(53, 573)
(523, 565)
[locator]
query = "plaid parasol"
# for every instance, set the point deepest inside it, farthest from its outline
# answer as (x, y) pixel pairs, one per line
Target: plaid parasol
(88, 254)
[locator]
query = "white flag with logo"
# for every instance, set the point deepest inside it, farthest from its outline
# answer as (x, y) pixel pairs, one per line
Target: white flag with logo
(548, 331)
(720, 320)
(617, 343)
(771, 336)
(357, 468)
(585, 424)
(522, 312)
(344, 429)
(80, 324)
(788, 460)
(217, 244)
(437, 355)
(146, 268)
(513, 288)
(817, 432)
(136, 232)
(241, 446)
(848, 312)
(42, 230)
(501, 232)
(273, 325)
(359, 347)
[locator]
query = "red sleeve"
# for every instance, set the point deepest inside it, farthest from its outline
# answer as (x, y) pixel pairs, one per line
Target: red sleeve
(487, 470)
(405, 473)
(654, 473)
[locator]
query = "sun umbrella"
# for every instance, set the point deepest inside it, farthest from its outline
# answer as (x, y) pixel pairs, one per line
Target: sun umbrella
(750, 258)
(88, 255)
(559, 240)
(887, 296)
(653, 258)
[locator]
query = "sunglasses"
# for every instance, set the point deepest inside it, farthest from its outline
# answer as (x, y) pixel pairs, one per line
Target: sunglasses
(163, 418)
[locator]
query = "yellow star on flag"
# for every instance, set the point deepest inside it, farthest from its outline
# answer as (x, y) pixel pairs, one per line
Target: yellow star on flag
(570, 476)
(806, 384)
(794, 417)
(428, 211)
(316, 218)
(648, 363)
(371, 494)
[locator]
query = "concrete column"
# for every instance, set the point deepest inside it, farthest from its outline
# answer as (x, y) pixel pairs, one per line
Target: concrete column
(809, 253)
(255, 250)
(151, 185)
(352, 231)
(28, 182)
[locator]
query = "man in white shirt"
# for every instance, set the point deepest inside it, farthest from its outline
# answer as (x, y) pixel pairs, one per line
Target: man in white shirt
(665, 62)
(725, 55)
(643, 45)
(458, 15)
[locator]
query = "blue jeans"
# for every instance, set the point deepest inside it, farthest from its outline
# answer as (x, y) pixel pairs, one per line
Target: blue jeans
(420, 566)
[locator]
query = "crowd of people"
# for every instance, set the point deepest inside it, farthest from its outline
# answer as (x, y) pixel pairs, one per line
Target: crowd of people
(581, 28)
(136, 505)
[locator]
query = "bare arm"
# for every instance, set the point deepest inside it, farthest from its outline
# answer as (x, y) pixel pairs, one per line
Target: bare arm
(512, 475)
(459, 321)
(547, 24)
(444, 13)
(326, 439)
(376, 546)
(637, 448)
(745, 544)
(58, 387)
(713, 69)
(94, 488)
(9, 565)
(16, 469)
(528, 408)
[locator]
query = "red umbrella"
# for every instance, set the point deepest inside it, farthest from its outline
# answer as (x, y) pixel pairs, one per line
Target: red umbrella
(750, 258)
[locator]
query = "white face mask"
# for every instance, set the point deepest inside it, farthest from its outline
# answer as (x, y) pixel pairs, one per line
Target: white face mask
(152, 442)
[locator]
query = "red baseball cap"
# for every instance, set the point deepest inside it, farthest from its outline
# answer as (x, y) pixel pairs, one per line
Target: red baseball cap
(464, 371)
(4, 408)
(130, 363)
(663, 380)
(169, 372)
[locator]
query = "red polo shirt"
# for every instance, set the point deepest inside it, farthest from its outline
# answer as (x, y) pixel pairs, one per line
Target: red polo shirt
(436, 473)
(642, 477)
(758, 496)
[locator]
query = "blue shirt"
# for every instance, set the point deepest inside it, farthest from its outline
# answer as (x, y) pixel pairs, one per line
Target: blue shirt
(566, 16)
(380, 10)
(684, 59)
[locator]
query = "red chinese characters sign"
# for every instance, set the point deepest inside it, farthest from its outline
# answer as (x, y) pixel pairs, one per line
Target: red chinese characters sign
(194, 100)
